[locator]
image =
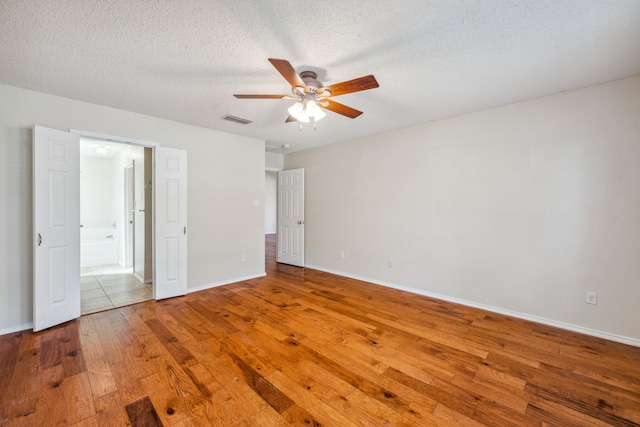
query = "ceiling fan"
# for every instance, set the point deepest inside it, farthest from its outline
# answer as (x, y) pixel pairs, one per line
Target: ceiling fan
(312, 96)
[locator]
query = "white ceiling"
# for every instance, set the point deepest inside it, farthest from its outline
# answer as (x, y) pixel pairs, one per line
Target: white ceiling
(184, 60)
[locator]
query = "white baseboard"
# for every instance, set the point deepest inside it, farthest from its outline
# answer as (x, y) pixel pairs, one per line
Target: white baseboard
(224, 282)
(562, 325)
(16, 328)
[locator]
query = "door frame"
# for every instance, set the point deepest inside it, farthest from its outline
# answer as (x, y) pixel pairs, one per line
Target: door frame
(154, 170)
(139, 143)
(135, 142)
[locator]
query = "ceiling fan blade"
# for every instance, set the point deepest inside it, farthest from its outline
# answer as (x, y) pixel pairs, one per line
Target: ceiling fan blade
(336, 107)
(355, 85)
(291, 119)
(261, 96)
(285, 68)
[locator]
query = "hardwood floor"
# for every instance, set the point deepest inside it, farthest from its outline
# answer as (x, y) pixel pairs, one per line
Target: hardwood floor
(304, 347)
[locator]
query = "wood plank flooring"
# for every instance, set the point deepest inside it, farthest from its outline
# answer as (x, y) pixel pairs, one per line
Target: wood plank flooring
(303, 347)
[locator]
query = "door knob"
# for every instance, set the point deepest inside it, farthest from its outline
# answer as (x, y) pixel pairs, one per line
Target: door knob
(300, 222)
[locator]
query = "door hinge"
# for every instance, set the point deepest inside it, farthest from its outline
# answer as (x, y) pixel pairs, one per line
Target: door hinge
(39, 239)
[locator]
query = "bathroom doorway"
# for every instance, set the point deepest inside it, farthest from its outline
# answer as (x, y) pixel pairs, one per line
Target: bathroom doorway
(115, 216)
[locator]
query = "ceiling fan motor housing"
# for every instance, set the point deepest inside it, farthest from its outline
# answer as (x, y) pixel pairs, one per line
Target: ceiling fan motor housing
(314, 87)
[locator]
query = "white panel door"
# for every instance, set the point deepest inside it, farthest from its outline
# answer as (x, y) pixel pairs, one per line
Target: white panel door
(291, 217)
(170, 211)
(56, 227)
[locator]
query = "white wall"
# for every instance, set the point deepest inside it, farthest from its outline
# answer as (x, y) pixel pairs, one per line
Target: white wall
(225, 176)
(274, 161)
(270, 201)
(522, 208)
(95, 186)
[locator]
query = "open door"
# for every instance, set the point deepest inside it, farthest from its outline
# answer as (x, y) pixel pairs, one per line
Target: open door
(291, 217)
(56, 227)
(170, 214)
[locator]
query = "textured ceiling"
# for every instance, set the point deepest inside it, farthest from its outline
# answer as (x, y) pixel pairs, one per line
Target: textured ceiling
(184, 60)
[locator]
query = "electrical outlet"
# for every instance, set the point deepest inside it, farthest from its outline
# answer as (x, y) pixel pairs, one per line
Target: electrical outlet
(390, 264)
(592, 298)
(243, 258)
(341, 254)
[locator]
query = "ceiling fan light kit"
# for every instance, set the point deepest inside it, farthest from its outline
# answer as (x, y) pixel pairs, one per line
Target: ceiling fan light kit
(312, 96)
(297, 110)
(305, 110)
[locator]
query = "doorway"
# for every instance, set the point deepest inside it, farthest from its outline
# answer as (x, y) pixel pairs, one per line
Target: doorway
(270, 201)
(114, 220)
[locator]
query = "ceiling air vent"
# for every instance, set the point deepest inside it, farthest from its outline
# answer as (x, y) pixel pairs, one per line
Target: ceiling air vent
(235, 119)
(270, 148)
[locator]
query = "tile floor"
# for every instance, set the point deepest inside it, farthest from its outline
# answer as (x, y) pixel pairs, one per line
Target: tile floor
(109, 286)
